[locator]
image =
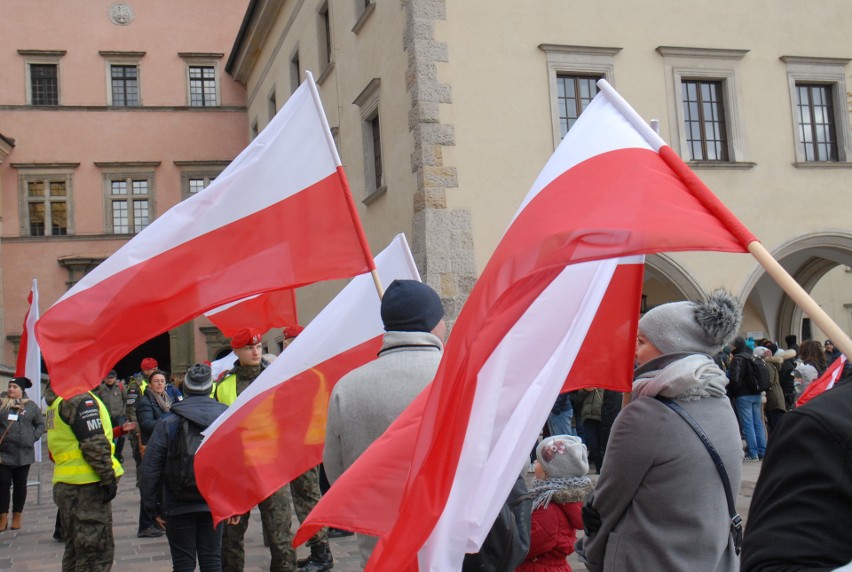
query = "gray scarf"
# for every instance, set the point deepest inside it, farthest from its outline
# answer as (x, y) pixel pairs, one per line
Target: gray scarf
(541, 492)
(688, 378)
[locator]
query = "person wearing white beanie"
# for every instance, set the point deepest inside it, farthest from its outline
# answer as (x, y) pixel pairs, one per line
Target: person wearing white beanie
(659, 503)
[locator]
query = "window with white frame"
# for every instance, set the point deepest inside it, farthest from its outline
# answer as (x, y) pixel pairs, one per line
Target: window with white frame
(45, 204)
(818, 102)
(704, 119)
(202, 79)
(42, 71)
(572, 74)
(129, 196)
(368, 103)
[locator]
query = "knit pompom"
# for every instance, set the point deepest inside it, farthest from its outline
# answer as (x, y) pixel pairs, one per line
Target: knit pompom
(720, 316)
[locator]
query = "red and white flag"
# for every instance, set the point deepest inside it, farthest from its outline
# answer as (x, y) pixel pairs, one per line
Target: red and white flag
(29, 356)
(275, 430)
(279, 216)
(825, 382)
(262, 311)
(611, 190)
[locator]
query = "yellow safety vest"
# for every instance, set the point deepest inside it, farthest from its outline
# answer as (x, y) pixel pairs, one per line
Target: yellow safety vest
(226, 391)
(71, 467)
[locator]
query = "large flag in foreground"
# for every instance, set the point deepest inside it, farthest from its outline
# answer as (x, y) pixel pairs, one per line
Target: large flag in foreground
(28, 363)
(275, 430)
(611, 190)
(825, 382)
(262, 311)
(279, 216)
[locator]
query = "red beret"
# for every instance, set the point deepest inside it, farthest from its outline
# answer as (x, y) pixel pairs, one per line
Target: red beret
(148, 363)
(246, 337)
(293, 331)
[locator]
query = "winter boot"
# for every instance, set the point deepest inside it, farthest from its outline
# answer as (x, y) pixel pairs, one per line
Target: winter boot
(4, 521)
(16, 520)
(319, 561)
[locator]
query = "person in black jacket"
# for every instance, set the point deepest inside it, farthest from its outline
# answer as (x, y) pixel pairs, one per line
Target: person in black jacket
(188, 521)
(804, 485)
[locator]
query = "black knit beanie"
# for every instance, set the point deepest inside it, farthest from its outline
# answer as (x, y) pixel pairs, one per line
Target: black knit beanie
(411, 306)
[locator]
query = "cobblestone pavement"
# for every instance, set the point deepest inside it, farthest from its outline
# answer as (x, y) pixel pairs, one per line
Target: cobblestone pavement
(33, 548)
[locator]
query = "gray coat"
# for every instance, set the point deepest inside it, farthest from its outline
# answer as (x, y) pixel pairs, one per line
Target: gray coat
(367, 400)
(660, 498)
(17, 448)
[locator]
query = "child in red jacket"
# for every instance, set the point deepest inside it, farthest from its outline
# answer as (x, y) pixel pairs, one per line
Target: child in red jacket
(557, 493)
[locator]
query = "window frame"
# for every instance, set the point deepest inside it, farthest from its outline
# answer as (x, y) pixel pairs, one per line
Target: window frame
(295, 67)
(363, 10)
(47, 173)
(127, 172)
(113, 58)
(325, 41)
(705, 140)
(43, 57)
(705, 64)
(197, 60)
(369, 108)
(190, 170)
(564, 60)
(820, 71)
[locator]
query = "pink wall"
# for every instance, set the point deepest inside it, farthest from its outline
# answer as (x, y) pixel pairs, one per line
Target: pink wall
(161, 28)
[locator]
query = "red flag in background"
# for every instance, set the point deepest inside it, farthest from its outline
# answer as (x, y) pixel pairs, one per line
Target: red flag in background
(279, 216)
(275, 430)
(825, 382)
(263, 311)
(612, 189)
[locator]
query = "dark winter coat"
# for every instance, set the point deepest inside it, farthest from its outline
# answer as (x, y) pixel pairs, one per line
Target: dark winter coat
(17, 448)
(148, 412)
(553, 531)
(738, 374)
(157, 497)
(805, 485)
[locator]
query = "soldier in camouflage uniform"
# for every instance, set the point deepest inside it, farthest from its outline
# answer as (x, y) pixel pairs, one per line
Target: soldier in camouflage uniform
(275, 512)
(114, 397)
(85, 480)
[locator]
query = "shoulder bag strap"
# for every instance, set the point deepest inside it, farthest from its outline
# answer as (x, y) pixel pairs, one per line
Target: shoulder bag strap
(736, 520)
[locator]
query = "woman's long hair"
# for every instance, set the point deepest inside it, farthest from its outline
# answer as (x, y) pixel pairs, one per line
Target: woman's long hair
(811, 353)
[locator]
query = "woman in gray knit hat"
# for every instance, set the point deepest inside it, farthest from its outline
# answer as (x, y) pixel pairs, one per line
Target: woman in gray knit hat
(660, 501)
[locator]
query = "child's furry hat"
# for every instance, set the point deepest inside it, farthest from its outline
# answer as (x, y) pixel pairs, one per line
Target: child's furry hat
(562, 457)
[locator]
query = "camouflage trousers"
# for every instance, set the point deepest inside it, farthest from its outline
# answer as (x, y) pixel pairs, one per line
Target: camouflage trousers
(86, 527)
(276, 518)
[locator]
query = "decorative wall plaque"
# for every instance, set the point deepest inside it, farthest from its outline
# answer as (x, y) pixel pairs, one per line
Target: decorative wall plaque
(121, 14)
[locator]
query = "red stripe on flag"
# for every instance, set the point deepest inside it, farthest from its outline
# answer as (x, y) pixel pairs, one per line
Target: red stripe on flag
(278, 435)
(264, 312)
(824, 382)
(320, 245)
(21, 362)
(611, 339)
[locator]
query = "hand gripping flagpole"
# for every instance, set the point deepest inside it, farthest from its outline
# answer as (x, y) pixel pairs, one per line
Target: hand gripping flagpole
(353, 211)
(749, 242)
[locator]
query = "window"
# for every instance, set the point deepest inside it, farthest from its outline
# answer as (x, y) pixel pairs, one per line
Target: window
(273, 105)
(45, 198)
(129, 205)
(704, 119)
(363, 11)
(573, 94)
(705, 126)
(202, 86)
(815, 111)
(124, 81)
(572, 74)
(44, 84)
(326, 57)
(253, 131)
(368, 102)
(295, 72)
(197, 175)
(820, 118)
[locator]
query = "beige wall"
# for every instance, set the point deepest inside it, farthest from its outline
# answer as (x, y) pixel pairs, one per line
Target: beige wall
(83, 130)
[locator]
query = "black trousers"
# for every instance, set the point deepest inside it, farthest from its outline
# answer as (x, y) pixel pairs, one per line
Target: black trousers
(14, 478)
(192, 536)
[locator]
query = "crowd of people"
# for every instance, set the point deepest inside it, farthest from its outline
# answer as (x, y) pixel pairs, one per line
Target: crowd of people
(651, 484)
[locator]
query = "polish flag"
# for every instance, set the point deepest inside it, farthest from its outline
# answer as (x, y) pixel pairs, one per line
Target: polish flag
(275, 430)
(279, 216)
(825, 382)
(262, 311)
(29, 356)
(612, 190)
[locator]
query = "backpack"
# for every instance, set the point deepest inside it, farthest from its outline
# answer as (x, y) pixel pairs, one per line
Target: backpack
(755, 374)
(179, 471)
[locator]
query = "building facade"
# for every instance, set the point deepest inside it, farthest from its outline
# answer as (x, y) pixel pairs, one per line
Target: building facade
(111, 113)
(444, 112)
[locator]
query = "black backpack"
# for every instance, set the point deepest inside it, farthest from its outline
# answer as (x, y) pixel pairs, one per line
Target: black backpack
(756, 374)
(179, 472)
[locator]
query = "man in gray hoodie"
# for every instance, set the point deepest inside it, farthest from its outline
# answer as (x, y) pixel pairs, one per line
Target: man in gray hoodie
(368, 399)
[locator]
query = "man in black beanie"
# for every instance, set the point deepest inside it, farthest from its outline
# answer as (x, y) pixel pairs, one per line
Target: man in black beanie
(368, 399)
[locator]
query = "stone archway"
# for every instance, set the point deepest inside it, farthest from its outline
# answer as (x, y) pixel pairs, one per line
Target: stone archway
(667, 281)
(807, 258)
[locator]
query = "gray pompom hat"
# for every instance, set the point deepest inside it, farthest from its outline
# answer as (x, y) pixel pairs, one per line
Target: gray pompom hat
(693, 327)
